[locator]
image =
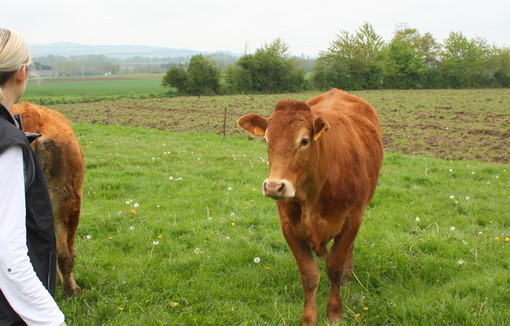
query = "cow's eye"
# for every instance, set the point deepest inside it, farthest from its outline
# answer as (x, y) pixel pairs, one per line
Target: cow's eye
(305, 142)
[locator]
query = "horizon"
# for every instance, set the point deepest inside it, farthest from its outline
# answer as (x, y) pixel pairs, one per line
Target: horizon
(233, 26)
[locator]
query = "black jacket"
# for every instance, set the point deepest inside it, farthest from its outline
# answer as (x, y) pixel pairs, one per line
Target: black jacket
(41, 241)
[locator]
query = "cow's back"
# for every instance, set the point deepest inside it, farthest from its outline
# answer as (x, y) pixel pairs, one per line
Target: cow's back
(352, 148)
(57, 149)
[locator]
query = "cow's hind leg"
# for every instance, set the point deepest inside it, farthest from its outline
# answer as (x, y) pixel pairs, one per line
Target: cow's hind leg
(339, 262)
(66, 231)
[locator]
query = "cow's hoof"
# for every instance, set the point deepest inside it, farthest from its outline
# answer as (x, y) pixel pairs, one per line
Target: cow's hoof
(345, 280)
(69, 292)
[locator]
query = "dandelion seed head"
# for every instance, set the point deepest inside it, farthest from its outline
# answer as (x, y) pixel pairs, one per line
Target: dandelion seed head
(136, 205)
(88, 237)
(197, 250)
(417, 219)
(452, 228)
(155, 242)
(460, 262)
(452, 197)
(229, 188)
(131, 228)
(256, 260)
(466, 198)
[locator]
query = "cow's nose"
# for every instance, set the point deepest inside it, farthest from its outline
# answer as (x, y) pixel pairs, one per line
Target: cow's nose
(278, 189)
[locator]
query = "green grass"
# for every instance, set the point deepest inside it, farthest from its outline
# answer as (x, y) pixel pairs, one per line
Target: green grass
(87, 89)
(431, 251)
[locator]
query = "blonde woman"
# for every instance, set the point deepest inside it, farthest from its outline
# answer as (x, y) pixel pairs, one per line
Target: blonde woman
(27, 236)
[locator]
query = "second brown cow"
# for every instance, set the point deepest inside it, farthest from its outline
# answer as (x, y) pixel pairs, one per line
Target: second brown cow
(325, 156)
(63, 164)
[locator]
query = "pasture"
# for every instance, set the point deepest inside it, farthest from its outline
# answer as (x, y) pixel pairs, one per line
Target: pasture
(50, 91)
(175, 230)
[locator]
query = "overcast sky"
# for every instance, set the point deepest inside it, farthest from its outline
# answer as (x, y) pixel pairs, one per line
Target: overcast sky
(237, 25)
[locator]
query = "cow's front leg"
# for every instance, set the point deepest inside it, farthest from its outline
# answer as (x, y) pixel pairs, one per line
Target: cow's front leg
(309, 272)
(339, 263)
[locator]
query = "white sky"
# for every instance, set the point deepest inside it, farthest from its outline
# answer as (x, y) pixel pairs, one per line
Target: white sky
(237, 25)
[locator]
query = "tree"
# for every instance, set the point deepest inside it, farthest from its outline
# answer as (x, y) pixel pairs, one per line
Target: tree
(409, 60)
(177, 77)
(353, 61)
(464, 62)
(204, 78)
(268, 70)
(199, 77)
(499, 63)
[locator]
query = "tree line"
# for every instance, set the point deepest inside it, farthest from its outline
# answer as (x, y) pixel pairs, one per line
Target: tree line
(360, 60)
(100, 64)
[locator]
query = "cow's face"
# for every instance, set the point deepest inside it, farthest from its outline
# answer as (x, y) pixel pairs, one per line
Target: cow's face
(291, 134)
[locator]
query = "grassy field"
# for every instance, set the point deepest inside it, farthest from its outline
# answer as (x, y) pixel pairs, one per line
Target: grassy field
(172, 223)
(173, 216)
(50, 91)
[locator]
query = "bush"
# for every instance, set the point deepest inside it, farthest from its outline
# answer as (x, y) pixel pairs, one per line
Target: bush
(200, 77)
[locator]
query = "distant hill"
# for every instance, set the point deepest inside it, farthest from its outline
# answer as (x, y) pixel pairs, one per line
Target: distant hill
(115, 51)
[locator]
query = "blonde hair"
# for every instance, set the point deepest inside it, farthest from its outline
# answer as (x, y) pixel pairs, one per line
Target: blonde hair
(14, 54)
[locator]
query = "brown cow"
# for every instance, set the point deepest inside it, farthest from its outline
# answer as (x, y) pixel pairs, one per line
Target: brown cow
(63, 163)
(325, 156)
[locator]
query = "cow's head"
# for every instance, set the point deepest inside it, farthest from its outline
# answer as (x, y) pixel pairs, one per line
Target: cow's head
(291, 133)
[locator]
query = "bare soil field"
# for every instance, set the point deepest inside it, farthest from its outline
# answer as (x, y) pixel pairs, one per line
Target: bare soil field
(449, 124)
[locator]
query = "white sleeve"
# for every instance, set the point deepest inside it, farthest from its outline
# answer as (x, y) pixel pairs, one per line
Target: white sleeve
(20, 285)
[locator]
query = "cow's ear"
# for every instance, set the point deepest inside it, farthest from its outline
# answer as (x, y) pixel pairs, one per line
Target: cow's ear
(253, 123)
(320, 126)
